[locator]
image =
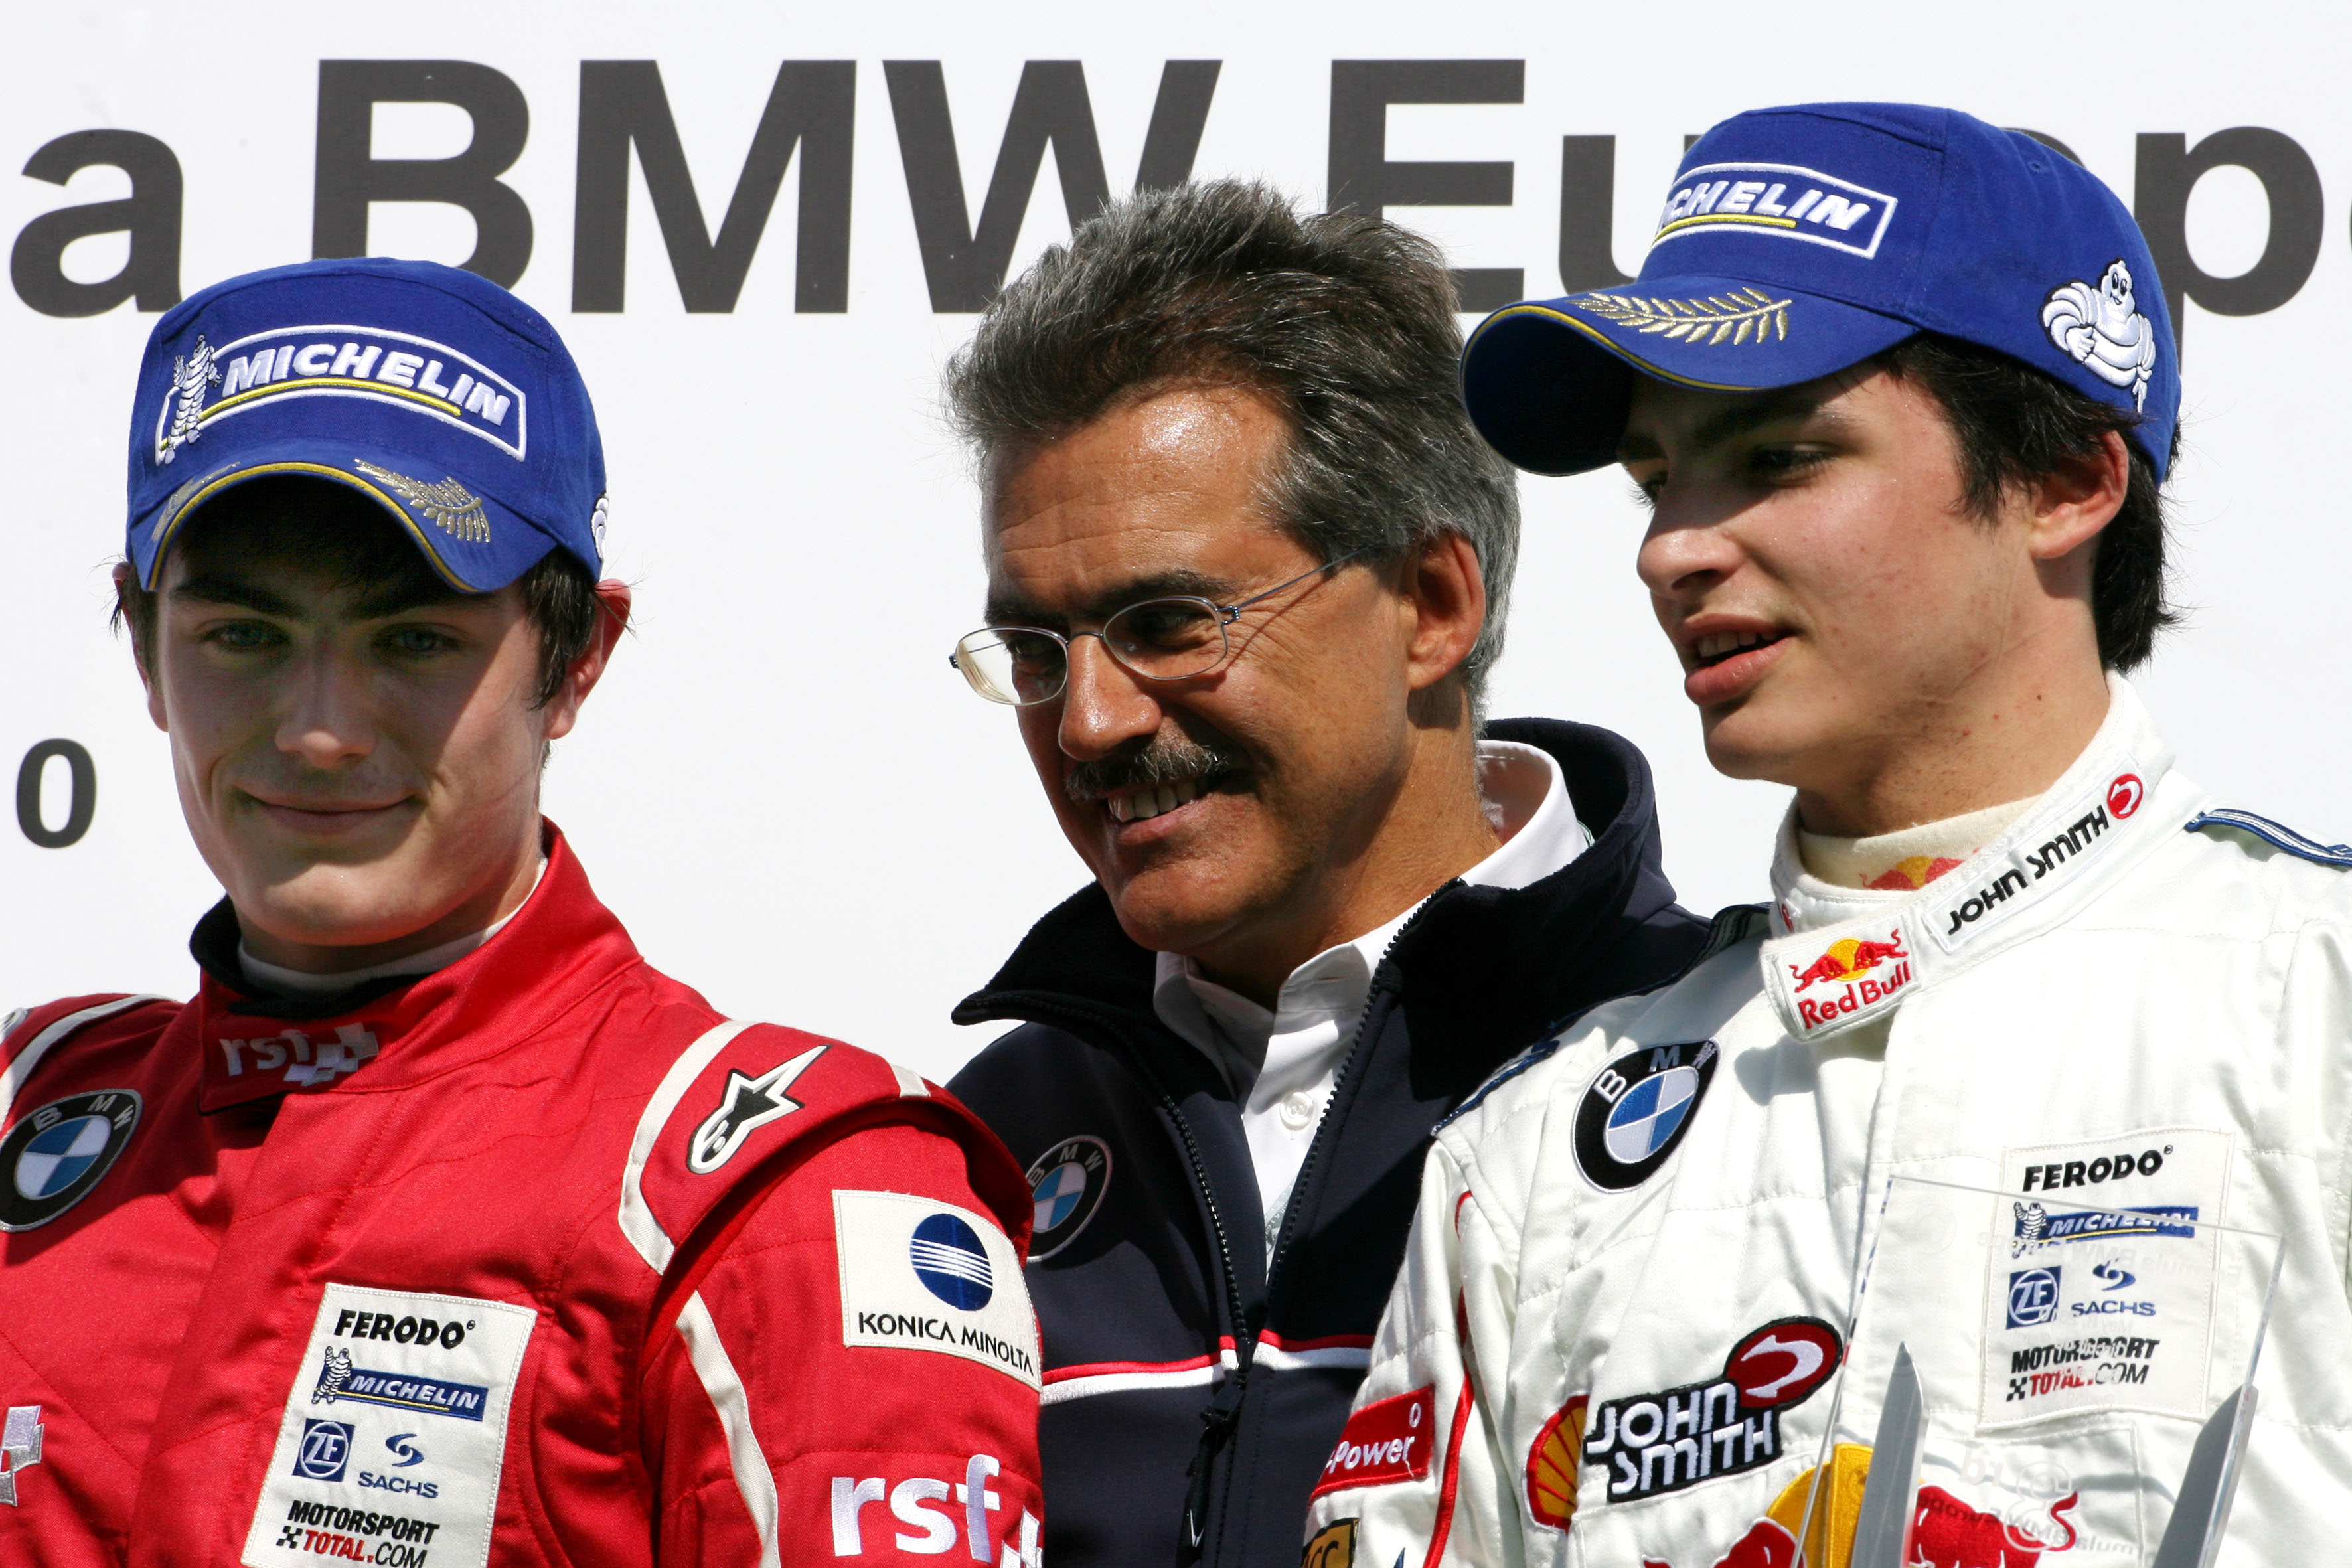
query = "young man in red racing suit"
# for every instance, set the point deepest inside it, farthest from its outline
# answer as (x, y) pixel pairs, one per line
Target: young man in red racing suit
(440, 1230)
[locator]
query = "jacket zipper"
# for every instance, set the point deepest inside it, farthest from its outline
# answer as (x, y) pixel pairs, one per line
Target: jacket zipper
(1222, 1418)
(1314, 1146)
(1223, 1410)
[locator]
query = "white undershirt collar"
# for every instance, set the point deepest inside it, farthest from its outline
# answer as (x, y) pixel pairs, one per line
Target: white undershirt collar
(302, 983)
(1281, 1064)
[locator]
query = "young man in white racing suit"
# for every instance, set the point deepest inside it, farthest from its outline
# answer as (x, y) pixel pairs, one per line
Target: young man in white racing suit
(1900, 390)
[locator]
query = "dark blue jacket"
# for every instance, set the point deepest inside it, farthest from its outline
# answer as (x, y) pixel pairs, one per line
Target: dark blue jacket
(1173, 1348)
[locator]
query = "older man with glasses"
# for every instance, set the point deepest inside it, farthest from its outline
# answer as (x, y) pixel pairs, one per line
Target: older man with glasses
(1246, 564)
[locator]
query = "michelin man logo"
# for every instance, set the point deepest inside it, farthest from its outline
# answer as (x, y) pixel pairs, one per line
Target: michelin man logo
(194, 376)
(2104, 329)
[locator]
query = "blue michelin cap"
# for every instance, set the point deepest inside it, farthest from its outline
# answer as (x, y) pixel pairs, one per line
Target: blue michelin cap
(1798, 241)
(439, 394)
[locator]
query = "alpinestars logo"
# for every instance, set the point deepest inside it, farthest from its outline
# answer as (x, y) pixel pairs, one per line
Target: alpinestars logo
(20, 1448)
(748, 1104)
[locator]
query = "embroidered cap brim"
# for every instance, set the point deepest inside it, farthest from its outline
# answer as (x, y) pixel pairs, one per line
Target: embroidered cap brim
(1546, 383)
(472, 540)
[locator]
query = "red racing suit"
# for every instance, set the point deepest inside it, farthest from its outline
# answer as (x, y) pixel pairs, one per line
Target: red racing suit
(534, 1261)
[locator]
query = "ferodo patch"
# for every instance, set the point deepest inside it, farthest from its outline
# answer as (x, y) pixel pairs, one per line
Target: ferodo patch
(1637, 1109)
(2103, 1288)
(395, 1433)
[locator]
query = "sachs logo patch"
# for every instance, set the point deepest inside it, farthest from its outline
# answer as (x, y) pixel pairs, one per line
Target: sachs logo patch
(55, 1156)
(1066, 1185)
(1637, 1109)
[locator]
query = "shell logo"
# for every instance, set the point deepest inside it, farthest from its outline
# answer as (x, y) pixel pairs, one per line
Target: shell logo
(1552, 1459)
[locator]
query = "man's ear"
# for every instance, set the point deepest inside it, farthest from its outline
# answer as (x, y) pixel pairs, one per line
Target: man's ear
(1448, 591)
(562, 710)
(2076, 503)
(140, 652)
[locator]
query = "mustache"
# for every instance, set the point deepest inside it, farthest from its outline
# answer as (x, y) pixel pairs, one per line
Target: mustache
(1169, 758)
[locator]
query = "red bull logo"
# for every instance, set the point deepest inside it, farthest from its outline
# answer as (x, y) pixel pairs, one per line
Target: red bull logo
(1849, 960)
(1945, 1533)
(1849, 963)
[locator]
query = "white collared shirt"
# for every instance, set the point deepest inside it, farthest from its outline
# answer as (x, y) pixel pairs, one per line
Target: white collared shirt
(1281, 1064)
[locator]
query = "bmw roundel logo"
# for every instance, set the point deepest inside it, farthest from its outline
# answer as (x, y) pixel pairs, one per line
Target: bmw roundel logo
(53, 1157)
(1066, 1185)
(950, 1262)
(1637, 1109)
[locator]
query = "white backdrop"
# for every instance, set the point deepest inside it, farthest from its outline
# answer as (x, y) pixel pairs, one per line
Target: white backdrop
(781, 787)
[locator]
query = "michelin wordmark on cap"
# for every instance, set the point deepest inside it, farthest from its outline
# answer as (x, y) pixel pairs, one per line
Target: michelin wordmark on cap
(446, 398)
(1798, 241)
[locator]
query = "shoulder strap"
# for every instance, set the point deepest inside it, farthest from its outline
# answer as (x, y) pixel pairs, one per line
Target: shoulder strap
(35, 1032)
(2277, 835)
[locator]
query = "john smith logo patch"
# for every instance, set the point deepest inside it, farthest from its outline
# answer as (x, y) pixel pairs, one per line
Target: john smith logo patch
(1066, 1185)
(1677, 1438)
(55, 1156)
(1637, 1109)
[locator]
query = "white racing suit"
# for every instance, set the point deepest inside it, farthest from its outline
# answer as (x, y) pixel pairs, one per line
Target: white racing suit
(1635, 1262)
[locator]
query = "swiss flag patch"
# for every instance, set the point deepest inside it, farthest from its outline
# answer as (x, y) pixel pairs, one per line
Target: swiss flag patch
(1388, 1440)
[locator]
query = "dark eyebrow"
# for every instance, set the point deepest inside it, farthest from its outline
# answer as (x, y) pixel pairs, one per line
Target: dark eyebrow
(220, 588)
(1008, 610)
(214, 588)
(1727, 423)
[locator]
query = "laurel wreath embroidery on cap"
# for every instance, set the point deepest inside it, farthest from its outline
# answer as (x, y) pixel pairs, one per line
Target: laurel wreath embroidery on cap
(1737, 316)
(452, 507)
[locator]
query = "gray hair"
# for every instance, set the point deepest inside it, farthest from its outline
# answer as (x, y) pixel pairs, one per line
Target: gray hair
(1346, 321)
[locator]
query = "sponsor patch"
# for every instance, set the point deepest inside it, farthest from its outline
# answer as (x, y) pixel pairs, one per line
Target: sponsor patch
(930, 1516)
(2000, 889)
(1333, 1546)
(325, 1451)
(2032, 1296)
(20, 1449)
(1777, 201)
(266, 1064)
(1067, 1184)
(382, 1367)
(745, 1106)
(1386, 1441)
(2101, 1288)
(2102, 328)
(1651, 1444)
(1853, 973)
(1552, 1461)
(919, 1274)
(1637, 1109)
(429, 379)
(55, 1156)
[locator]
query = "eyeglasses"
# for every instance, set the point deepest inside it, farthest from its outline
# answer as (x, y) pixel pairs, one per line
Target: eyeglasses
(1175, 639)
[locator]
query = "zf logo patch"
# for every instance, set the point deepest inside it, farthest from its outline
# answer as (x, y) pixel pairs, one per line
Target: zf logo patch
(55, 1156)
(325, 1449)
(1066, 1185)
(1637, 1109)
